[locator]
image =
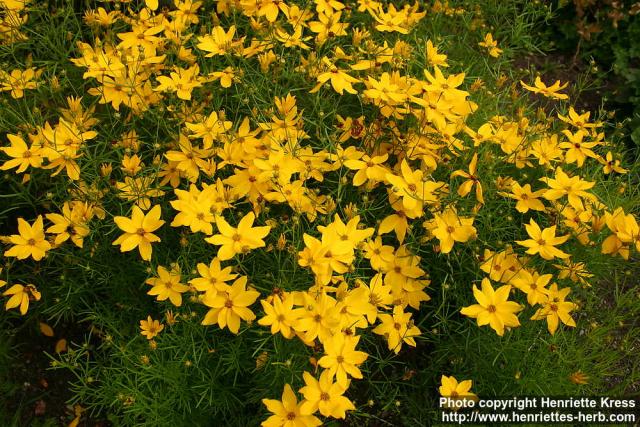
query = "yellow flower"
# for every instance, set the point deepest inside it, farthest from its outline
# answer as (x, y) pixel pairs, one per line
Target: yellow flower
(280, 315)
(626, 232)
(449, 228)
(433, 57)
(491, 45)
(341, 358)
(533, 285)
(181, 80)
(340, 81)
(386, 90)
(573, 187)
(575, 271)
(377, 294)
(527, 199)
(150, 328)
(213, 277)
(543, 241)
(139, 231)
(556, 309)
(194, 210)
(15, 5)
(319, 318)
(611, 165)
(445, 86)
(270, 9)
(226, 76)
(548, 91)
(397, 328)
(493, 307)
(227, 308)
(291, 40)
(234, 241)
(18, 80)
(31, 241)
(71, 224)
(287, 412)
(379, 255)
(413, 187)
(397, 20)
(397, 223)
(501, 266)
(20, 297)
(328, 25)
(142, 36)
(101, 17)
(348, 233)
(546, 150)
(472, 179)
(369, 169)
(167, 286)
(325, 395)
(452, 389)
(577, 149)
(139, 189)
(211, 129)
(581, 121)
(22, 155)
(579, 378)
(220, 42)
(354, 307)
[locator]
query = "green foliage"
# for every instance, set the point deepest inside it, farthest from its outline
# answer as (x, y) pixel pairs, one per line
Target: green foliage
(604, 35)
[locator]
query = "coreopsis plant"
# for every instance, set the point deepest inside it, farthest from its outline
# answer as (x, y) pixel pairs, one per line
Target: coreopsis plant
(552, 91)
(150, 328)
(138, 231)
(19, 297)
(455, 390)
(493, 307)
(555, 309)
(335, 185)
(543, 242)
(233, 241)
(31, 242)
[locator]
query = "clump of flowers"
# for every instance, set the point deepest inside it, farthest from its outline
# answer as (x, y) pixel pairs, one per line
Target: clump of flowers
(357, 205)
